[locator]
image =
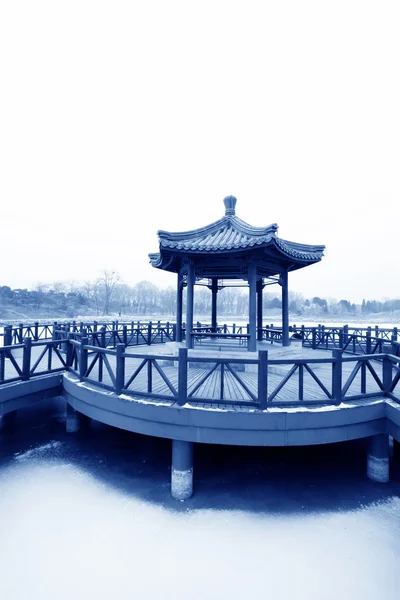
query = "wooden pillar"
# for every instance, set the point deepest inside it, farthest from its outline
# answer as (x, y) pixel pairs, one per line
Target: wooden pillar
(252, 275)
(214, 292)
(189, 305)
(285, 309)
(259, 309)
(179, 296)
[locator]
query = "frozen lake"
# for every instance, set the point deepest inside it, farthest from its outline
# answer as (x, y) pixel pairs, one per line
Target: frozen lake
(90, 516)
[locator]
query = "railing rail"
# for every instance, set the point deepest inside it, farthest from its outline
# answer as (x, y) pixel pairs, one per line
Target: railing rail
(259, 382)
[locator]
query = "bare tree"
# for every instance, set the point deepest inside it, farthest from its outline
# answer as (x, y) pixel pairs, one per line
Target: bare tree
(107, 282)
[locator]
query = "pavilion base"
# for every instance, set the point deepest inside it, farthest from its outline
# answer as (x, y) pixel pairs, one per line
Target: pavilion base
(182, 470)
(378, 458)
(275, 351)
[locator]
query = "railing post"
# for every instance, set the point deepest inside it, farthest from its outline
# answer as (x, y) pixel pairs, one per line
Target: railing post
(341, 339)
(120, 369)
(322, 332)
(36, 331)
(174, 332)
(124, 335)
(368, 347)
(8, 335)
(234, 328)
(149, 326)
(54, 332)
(26, 359)
(95, 326)
(83, 358)
(263, 378)
(394, 334)
(69, 354)
(393, 342)
(337, 375)
(182, 376)
(103, 336)
(314, 338)
(345, 334)
(387, 374)
(376, 331)
(21, 333)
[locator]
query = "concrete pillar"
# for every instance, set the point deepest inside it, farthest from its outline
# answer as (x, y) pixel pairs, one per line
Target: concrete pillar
(182, 470)
(190, 305)
(75, 421)
(285, 309)
(179, 295)
(214, 292)
(259, 308)
(252, 274)
(378, 458)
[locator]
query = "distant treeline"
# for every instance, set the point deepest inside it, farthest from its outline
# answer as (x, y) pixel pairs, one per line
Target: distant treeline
(109, 295)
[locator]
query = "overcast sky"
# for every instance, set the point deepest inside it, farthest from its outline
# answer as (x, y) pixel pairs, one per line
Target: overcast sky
(121, 118)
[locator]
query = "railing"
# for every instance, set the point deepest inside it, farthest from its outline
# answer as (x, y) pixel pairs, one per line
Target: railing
(136, 331)
(259, 383)
(21, 362)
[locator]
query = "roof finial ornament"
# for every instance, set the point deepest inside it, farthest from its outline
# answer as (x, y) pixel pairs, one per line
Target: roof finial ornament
(230, 203)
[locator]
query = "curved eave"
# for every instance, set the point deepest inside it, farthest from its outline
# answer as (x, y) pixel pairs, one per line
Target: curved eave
(301, 252)
(300, 255)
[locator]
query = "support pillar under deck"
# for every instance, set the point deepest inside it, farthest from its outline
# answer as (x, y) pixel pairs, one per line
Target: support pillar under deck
(182, 470)
(75, 421)
(378, 458)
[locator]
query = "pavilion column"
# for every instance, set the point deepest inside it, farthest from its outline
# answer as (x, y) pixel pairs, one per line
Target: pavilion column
(179, 297)
(252, 279)
(285, 309)
(190, 305)
(259, 308)
(214, 292)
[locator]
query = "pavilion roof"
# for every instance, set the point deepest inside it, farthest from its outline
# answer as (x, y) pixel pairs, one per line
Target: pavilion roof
(230, 235)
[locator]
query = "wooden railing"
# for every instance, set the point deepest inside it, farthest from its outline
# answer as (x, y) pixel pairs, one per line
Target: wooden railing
(137, 333)
(186, 379)
(258, 382)
(21, 362)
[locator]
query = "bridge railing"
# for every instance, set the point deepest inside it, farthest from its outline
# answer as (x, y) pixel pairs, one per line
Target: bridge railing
(203, 381)
(262, 382)
(137, 333)
(21, 362)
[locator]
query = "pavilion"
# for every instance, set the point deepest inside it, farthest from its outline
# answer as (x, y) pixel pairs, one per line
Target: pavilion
(230, 249)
